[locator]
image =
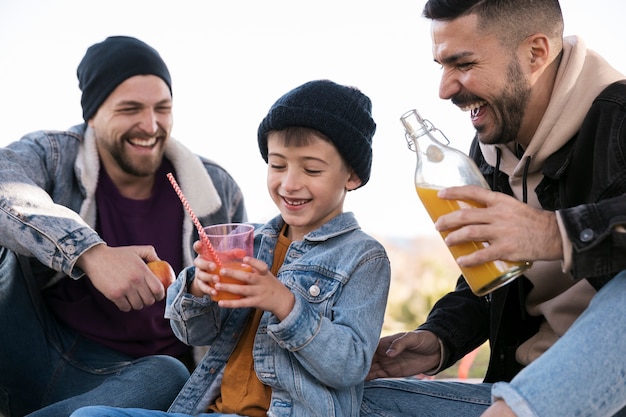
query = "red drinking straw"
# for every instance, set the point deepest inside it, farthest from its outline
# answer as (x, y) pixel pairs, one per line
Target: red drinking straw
(205, 239)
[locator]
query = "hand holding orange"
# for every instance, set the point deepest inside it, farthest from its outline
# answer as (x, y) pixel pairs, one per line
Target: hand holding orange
(163, 270)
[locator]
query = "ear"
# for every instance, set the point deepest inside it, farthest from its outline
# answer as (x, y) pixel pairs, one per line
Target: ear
(353, 181)
(536, 51)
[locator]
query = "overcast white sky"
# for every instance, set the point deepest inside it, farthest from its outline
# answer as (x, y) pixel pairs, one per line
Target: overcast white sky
(230, 60)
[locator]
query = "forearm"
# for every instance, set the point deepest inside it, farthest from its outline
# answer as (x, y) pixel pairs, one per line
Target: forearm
(53, 234)
(194, 320)
(307, 335)
(352, 331)
(38, 216)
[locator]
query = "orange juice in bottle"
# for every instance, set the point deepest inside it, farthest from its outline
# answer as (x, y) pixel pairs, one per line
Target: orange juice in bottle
(481, 278)
(439, 166)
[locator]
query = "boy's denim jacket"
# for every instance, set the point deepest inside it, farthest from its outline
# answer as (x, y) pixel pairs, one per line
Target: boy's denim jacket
(316, 359)
(48, 181)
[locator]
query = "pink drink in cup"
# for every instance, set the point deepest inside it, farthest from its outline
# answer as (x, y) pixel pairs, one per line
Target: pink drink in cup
(231, 242)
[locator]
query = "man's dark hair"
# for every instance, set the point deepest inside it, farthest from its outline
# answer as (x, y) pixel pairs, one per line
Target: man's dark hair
(512, 20)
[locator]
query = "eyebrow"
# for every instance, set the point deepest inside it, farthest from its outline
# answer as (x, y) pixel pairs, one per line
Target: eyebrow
(304, 158)
(123, 103)
(454, 58)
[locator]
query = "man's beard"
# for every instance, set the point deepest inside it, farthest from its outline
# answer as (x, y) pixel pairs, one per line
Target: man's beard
(131, 164)
(131, 167)
(511, 104)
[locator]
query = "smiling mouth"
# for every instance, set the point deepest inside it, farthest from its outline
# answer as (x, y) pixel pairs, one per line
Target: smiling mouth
(143, 142)
(298, 202)
(474, 108)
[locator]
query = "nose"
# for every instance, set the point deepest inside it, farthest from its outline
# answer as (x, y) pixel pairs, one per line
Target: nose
(149, 121)
(291, 180)
(449, 85)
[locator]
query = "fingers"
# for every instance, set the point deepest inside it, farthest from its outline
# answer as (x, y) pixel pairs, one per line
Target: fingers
(260, 266)
(145, 252)
(139, 292)
(143, 296)
(130, 300)
(197, 247)
(123, 304)
(153, 290)
(500, 227)
(399, 344)
(474, 193)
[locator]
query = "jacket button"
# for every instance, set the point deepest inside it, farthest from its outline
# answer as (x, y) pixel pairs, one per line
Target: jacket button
(314, 290)
(586, 235)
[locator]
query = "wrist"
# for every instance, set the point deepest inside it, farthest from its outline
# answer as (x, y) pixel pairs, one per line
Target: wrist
(285, 306)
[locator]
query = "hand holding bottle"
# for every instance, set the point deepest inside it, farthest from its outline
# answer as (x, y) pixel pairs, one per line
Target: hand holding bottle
(440, 166)
(514, 230)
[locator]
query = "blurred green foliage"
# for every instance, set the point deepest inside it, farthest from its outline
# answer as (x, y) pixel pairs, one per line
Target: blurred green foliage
(422, 271)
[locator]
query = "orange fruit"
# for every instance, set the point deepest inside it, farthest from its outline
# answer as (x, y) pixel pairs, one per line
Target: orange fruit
(164, 272)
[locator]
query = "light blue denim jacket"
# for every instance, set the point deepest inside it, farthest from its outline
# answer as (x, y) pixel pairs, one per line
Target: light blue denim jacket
(316, 359)
(48, 181)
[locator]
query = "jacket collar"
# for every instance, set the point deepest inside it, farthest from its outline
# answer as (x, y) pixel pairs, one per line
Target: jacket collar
(340, 224)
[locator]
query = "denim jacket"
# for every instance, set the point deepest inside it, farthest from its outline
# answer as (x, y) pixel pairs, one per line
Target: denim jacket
(48, 181)
(316, 359)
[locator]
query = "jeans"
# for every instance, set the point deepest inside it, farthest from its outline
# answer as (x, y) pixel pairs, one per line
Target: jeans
(48, 370)
(98, 411)
(583, 375)
(424, 398)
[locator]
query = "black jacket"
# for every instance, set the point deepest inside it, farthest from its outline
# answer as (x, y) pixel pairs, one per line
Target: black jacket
(586, 181)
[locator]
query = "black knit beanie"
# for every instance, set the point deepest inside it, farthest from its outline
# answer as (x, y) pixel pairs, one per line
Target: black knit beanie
(109, 63)
(344, 114)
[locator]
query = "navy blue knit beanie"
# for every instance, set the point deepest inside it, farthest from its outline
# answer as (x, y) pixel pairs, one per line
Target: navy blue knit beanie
(109, 63)
(344, 114)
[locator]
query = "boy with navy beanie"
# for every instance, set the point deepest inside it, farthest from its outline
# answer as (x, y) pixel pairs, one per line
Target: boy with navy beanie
(300, 339)
(343, 114)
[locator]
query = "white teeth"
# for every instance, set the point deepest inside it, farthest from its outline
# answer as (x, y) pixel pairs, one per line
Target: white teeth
(295, 203)
(473, 106)
(143, 142)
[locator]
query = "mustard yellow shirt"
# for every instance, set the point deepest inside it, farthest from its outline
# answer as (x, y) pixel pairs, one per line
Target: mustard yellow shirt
(241, 391)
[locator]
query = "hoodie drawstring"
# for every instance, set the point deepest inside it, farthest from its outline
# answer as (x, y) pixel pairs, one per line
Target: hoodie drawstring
(520, 286)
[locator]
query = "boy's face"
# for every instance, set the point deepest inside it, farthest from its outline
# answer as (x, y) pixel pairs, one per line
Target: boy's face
(133, 125)
(307, 183)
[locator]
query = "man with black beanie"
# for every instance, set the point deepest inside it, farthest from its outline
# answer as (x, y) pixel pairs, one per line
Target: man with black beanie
(83, 212)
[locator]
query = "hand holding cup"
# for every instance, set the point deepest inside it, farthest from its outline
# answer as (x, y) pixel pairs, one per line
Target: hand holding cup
(231, 243)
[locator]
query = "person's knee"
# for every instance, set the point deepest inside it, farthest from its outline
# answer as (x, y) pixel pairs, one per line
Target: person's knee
(177, 369)
(162, 368)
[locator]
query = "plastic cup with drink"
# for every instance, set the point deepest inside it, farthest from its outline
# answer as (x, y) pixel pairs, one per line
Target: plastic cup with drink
(230, 242)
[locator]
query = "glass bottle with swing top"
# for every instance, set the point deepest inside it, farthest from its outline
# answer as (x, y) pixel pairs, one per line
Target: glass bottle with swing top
(440, 166)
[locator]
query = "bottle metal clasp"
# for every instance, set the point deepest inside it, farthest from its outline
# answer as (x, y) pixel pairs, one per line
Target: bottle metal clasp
(418, 127)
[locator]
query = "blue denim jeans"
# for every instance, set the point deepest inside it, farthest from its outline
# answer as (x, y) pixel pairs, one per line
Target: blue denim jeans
(99, 411)
(424, 398)
(46, 367)
(583, 374)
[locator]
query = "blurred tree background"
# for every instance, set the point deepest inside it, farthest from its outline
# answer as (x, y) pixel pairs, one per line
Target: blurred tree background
(422, 271)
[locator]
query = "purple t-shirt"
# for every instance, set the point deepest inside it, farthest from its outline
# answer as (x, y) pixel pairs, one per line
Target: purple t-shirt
(121, 221)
